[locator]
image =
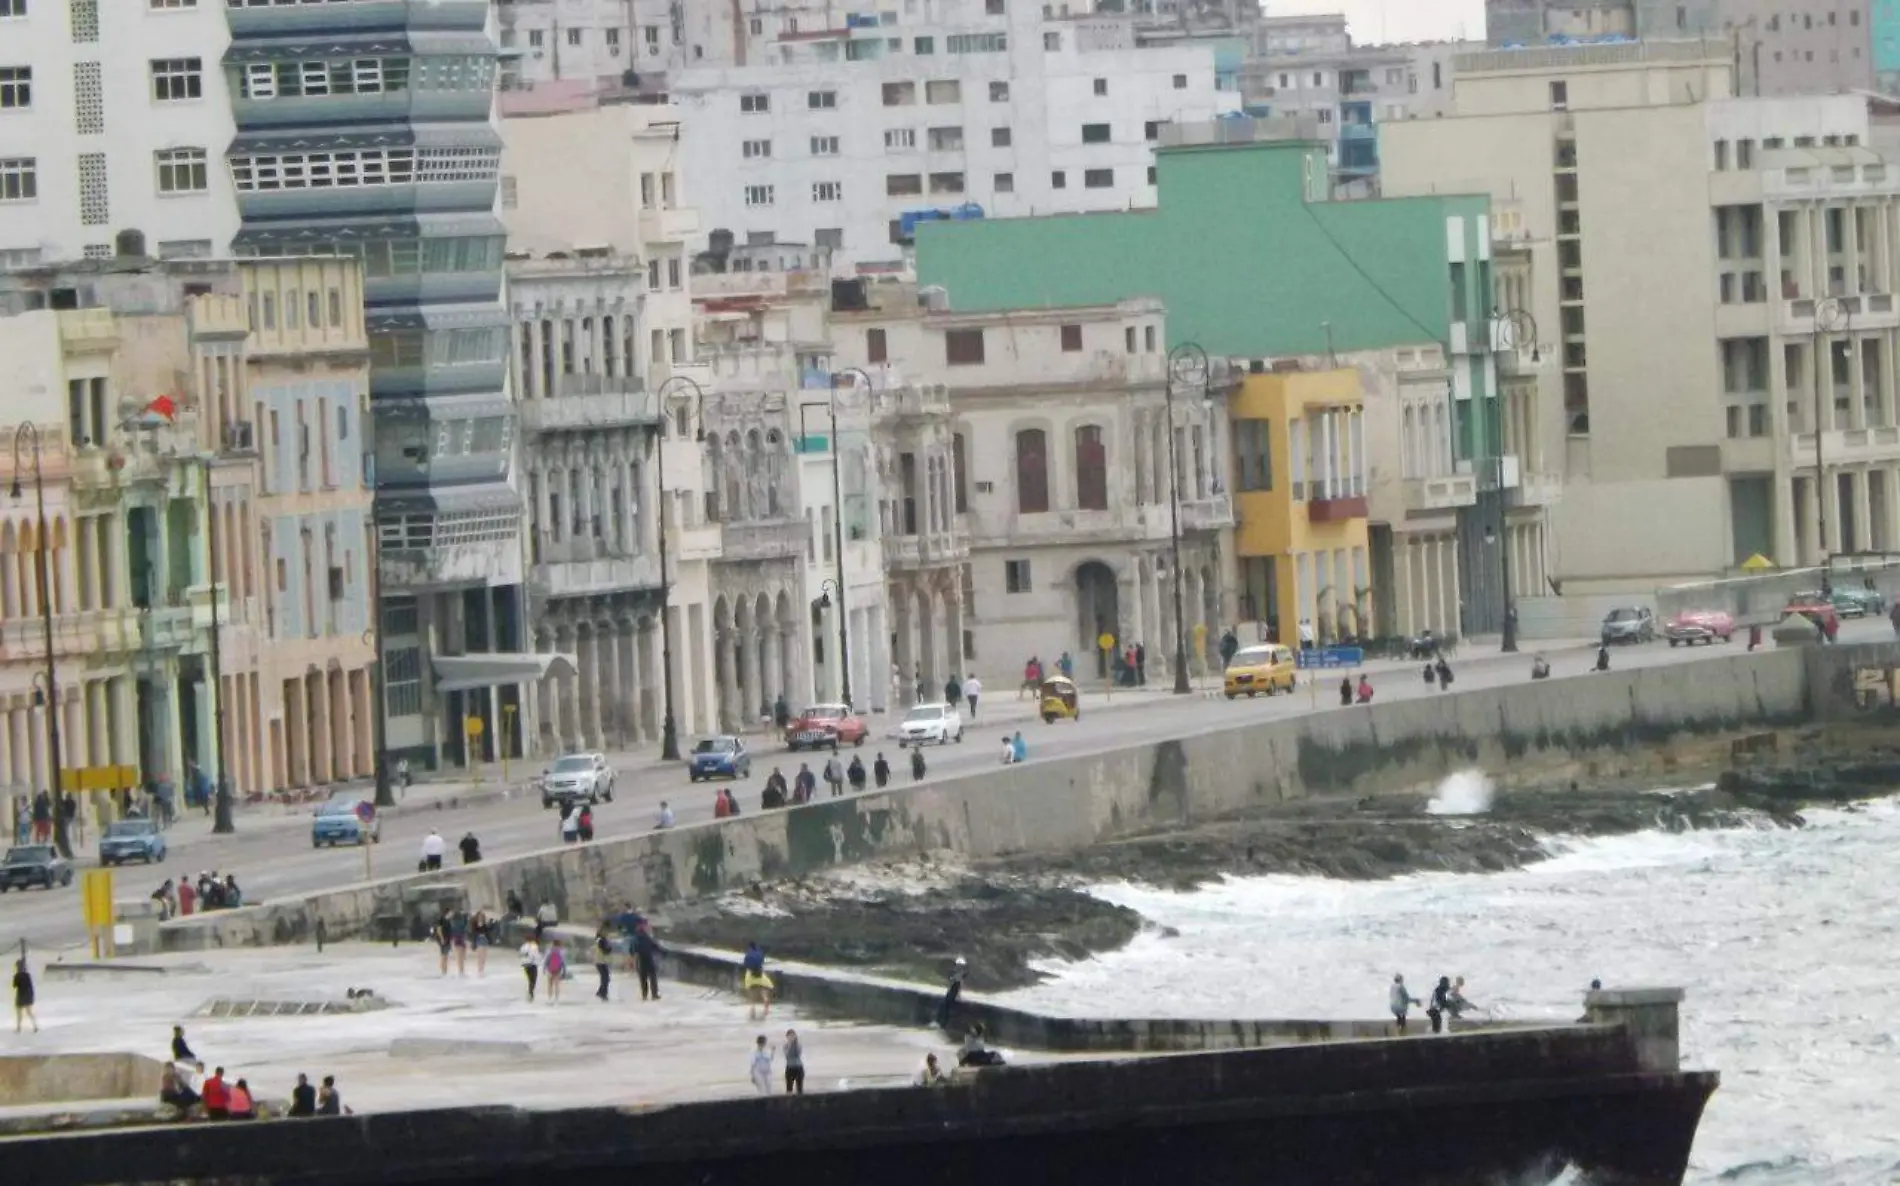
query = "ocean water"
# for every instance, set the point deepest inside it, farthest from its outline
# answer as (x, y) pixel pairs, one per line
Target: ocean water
(1786, 942)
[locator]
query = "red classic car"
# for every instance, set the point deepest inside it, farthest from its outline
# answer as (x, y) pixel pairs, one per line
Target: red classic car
(825, 726)
(1692, 626)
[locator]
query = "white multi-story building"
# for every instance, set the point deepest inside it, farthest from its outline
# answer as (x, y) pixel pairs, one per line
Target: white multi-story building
(110, 125)
(853, 133)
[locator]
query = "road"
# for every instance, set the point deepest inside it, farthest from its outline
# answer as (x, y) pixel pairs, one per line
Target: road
(271, 855)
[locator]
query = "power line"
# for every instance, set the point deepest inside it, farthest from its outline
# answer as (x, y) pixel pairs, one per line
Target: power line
(1430, 334)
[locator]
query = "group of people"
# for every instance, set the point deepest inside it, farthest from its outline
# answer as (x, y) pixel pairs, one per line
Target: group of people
(219, 1098)
(457, 931)
(209, 892)
(630, 935)
(1362, 694)
(1015, 749)
(1447, 1001)
(1033, 674)
(577, 823)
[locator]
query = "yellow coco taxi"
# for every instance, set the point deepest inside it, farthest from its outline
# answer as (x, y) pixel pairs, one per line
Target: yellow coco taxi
(1267, 668)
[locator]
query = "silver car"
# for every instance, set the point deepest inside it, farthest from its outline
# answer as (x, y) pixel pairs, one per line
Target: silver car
(1629, 623)
(574, 777)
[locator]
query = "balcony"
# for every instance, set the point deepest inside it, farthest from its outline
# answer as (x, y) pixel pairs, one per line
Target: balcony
(1336, 510)
(1862, 311)
(451, 567)
(729, 285)
(591, 401)
(911, 552)
(1538, 490)
(88, 331)
(1358, 131)
(184, 625)
(1123, 524)
(1214, 513)
(580, 578)
(1445, 493)
(670, 225)
(781, 540)
(1849, 446)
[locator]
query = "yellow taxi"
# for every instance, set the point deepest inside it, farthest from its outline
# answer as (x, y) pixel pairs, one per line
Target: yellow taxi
(1268, 667)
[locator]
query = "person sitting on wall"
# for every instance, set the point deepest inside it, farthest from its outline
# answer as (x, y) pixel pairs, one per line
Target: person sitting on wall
(174, 1088)
(1540, 669)
(975, 1053)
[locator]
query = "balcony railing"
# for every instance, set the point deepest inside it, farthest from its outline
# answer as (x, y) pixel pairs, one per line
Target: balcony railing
(576, 578)
(925, 551)
(604, 407)
(763, 540)
(1336, 510)
(1207, 514)
(1441, 493)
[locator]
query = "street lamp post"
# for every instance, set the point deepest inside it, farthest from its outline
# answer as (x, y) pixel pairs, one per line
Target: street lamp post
(378, 687)
(669, 727)
(30, 435)
(221, 819)
(1508, 329)
(1830, 314)
(1188, 364)
(837, 526)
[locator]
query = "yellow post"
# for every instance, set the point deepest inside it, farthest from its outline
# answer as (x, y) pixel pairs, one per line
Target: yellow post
(95, 901)
(472, 728)
(1106, 642)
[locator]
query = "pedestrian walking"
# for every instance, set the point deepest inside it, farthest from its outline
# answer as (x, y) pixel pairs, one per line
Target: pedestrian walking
(1141, 664)
(42, 818)
(972, 688)
(531, 964)
(881, 771)
(556, 967)
(834, 776)
(1400, 1001)
(1229, 644)
(762, 1066)
(1345, 690)
(755, 983)
(917, 763)
(951, 994)
(433, 847)
(571, 824)
(646, 960)
(23, 996)
(603, 955)
(1065, 663)
(854, 773)
(1444, 674)
(794, 1064)
(481, 934)
(1440, 1004)
(952, 692)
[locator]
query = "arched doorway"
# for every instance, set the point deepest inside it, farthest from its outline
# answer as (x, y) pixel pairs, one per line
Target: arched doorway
(1097, 609)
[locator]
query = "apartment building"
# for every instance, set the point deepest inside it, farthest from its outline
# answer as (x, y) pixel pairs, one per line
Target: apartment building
(1688, 410)
(200, 459)
(1060, 471)
(1810, 47)
(112, 124)
(857, 133)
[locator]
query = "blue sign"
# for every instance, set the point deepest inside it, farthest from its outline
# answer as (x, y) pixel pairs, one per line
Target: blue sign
(365, 810)
(1330, 657)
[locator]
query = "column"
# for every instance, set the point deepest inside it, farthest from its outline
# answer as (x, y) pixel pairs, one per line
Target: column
(651, 703)
(587, 636)
(729, 644)
(613, 692)
(772, 665)
(905, 659)
(953, 613)
(1863, 513)
(564, 719)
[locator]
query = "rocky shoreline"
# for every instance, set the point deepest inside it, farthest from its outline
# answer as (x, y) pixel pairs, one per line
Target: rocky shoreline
(910, 919)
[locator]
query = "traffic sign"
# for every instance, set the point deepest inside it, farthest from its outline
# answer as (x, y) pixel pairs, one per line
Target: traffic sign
(1330, 657)
(1106, 642)
(365, 810)
(472, 726)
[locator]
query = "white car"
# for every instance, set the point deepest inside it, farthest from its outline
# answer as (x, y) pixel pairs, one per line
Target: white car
(577, 776)
(930, 724)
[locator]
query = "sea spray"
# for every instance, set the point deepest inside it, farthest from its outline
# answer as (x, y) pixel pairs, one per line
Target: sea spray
(1468, 792)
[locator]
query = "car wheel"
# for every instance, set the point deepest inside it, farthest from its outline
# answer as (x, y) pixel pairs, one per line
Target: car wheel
(1251, 693)
(1048, 718)
(1674, 641)
(1231, 695)
(859, 743)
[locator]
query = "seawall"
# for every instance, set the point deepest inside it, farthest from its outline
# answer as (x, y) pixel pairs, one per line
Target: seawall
(1648, 720)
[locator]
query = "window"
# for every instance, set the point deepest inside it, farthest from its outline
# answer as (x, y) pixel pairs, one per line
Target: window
(898, 185)
(999, 92)
(574, 36)
(899, 94)
(16, 88)
(19, 179)
(1151, 175)
(1016, 576)
(999, 137)
(1099, 178)
(755, 104)
(824, 146)
(1559, 96)
(946, 183)
(175, 79)
(821, 100)
(946, 139)
(900, 138)
(1744, 154)
(1052, 43)
(181, 171)
(753, 150)
(1253, 441)
(963, 347)
(1091, 469)
(947, 90)
(758, 195)
(1095, 133)
(924, 46)
(1032, 472)
(673, 273)
(1180, 82)
(993, 7)
(977, 43)
(1151, 130)
(1004, 183)
(1128, 339)
(613, 37)
(1721, 155)
(1058, 180)
(1071, 339)
(535, 38)
(827, 191)
(1101, 86)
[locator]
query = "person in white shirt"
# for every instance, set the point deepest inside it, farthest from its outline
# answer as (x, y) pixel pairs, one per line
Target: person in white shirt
(432, 848)
(571, 823)
(762, 1066)
(666, 815)
(1009, 751)
(972, 688)
(531, 965)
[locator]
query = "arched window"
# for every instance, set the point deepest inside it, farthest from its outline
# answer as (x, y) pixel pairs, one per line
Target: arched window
(1032, 472)
(1091, 469)
(774, 468)
(735, 464)
(960, 473)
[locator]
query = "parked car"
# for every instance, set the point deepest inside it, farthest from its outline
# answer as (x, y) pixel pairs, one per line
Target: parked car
(1692, 626)
(932, 724)
(824, 726)
(1629, 623)
(719, 757)
(1852, 602)
(1819, 611)
(341, 820)
(1267, 668)
(131, 840)
(577, 776)
(34, 864)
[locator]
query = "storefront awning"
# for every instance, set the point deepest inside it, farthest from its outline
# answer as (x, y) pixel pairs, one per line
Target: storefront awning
(461, 673)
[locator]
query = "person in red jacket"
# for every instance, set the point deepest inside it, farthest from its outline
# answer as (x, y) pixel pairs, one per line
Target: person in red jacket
(217, 1096)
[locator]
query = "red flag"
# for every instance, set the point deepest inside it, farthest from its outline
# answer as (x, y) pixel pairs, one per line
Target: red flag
(164, 406)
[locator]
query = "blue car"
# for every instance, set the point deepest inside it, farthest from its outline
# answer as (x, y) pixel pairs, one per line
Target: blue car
(719, 757)
(131, 840)
(340, 821)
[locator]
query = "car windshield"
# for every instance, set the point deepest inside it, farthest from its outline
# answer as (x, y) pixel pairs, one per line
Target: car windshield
(570, 765)
(32, 854)
(925, 712)
(1251, 657)
(128, 828)
(714, 745)
(338, 807)
(1622, 615)
(825, 712)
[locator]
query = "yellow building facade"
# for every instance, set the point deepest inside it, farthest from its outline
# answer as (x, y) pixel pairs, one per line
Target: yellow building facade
(1300, 502)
